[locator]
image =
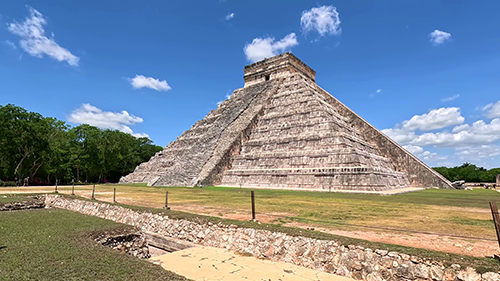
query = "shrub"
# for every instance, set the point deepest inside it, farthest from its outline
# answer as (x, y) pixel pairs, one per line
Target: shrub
(7, 183)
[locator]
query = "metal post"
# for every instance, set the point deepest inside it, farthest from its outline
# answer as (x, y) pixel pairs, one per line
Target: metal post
(253, 205)
(166, 201)
(56, 187)
(114, 195)
(73, 189)
(93, 191)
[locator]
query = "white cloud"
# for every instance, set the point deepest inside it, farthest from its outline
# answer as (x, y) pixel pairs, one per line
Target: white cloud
(480, 127)
(439, 37)
(10, 44)
(447, 99)
(376, 92)
(477, 153)
(413, 149)
(423, 154)
(466, 139)
(435, 119)
(492, 110)
(479, 133)
(230, 16)
(399, 135)
(89, 114)
(324, 20)
(460, 139)
(34, 41)
(141, 81)
(262, 48)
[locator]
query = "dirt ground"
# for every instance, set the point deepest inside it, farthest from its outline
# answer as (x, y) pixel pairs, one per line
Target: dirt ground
(470, 247)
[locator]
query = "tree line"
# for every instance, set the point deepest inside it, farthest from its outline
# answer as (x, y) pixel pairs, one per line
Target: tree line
(45, 149)
(469, 173)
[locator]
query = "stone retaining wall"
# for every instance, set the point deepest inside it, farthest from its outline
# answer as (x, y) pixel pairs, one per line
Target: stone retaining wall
(329, 256)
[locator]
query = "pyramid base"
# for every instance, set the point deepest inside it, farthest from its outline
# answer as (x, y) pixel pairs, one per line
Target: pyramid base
(350, 191)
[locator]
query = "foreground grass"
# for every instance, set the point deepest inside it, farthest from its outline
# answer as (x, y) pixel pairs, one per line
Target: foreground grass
(450, 212)
(56, 245)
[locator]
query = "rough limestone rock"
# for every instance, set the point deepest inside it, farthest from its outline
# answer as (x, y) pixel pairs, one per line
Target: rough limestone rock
(458, 184)
(469, 274)
(281, 130)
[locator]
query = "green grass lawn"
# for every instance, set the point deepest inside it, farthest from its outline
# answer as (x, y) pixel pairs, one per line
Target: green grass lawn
(53, 244)
(15, 198)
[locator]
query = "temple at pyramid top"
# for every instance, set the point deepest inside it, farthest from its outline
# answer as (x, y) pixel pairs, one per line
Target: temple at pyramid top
(281, 130)
(276, 67)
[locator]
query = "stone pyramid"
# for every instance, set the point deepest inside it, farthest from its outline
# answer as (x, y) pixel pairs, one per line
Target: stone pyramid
(281, 130)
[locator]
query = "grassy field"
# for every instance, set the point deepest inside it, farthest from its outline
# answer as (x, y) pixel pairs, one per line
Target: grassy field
(56, 245)
(451, 212)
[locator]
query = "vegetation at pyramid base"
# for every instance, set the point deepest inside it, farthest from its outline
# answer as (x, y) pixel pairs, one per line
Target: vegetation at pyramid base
(45, 149)
(469, 173)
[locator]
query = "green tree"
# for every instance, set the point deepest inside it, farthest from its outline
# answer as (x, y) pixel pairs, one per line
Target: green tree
(46, 148)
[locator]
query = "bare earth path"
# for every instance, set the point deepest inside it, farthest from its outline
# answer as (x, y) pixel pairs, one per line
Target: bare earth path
(208, 263)
(483, 245)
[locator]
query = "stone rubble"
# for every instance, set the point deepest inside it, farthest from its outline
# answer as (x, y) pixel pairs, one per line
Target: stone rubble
(329, 256)
(24, 205)
(134, 244)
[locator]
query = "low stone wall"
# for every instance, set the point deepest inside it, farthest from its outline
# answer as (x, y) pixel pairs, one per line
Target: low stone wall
(329, 256)
(24, 205)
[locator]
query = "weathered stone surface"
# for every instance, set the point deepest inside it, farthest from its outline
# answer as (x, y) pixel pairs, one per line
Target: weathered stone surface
(24, 205)
(469, 274)
(436, 273)
(421, 271)
(374, 277)
(133, 244)
(324, 255)
(490, 276)
(458, 184)
(282, 130)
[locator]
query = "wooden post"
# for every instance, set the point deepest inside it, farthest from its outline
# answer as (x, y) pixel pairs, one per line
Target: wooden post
(166, 201)
(253, 205)
(56, 187)
(114, 195)
(93, 191)
(73, 189)
(496, 218)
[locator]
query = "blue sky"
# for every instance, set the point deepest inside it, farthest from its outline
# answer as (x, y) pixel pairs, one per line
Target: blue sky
(425, 72)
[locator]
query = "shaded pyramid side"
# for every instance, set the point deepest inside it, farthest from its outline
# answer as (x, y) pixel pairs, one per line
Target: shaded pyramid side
(181, 162)
(301, 141)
